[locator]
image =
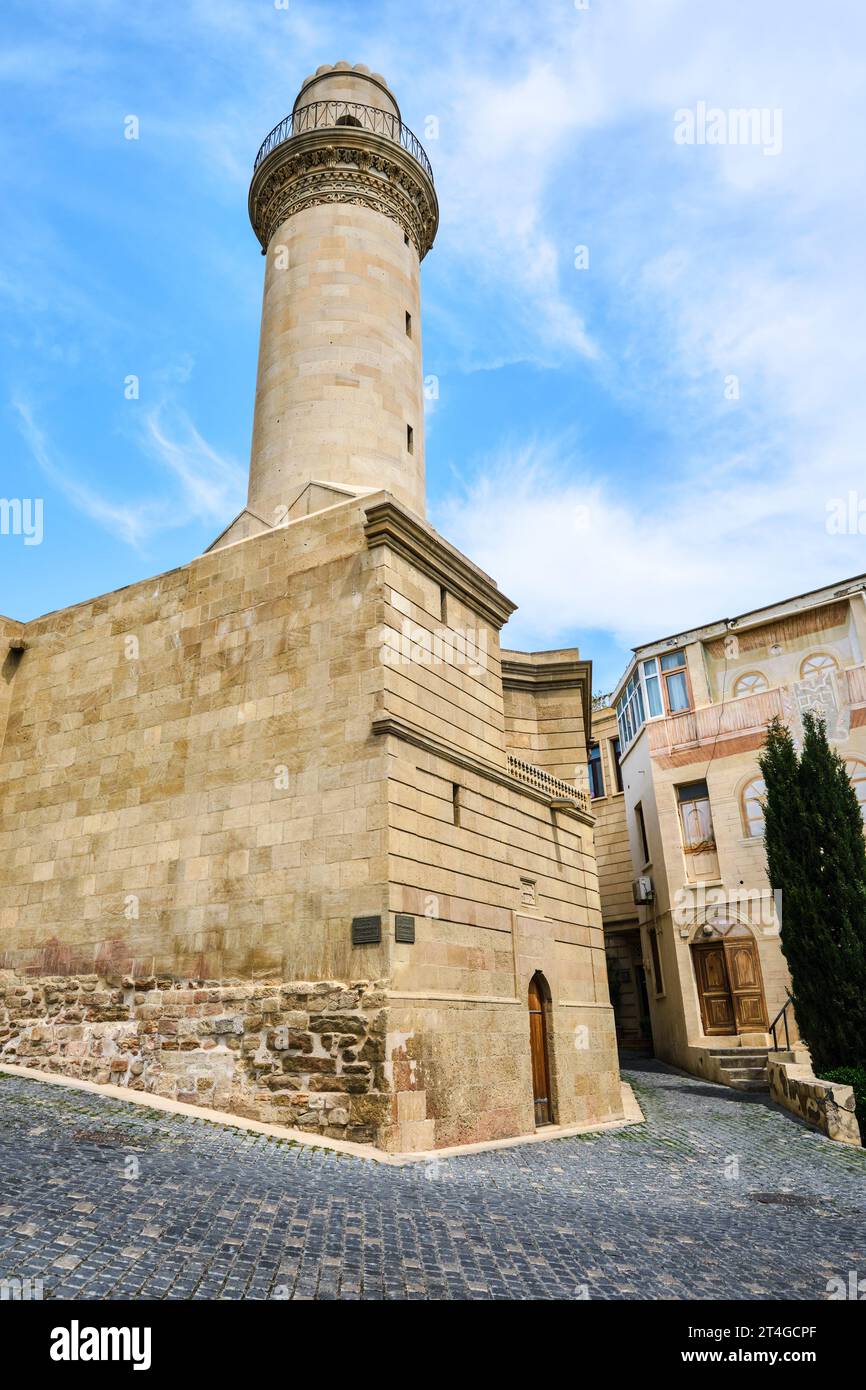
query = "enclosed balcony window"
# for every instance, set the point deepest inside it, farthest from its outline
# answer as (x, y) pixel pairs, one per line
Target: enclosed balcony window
(676, 682)
(629, 710)
(652, 687)
(658, 686)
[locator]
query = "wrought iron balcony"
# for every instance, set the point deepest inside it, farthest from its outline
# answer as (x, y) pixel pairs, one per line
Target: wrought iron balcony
(333, 115)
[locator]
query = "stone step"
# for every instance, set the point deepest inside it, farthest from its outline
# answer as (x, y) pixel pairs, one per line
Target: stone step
(740, 1058)
(738, 1085)
(745, 1074)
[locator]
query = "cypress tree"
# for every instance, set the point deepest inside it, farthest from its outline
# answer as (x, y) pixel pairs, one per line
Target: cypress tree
(816, 856)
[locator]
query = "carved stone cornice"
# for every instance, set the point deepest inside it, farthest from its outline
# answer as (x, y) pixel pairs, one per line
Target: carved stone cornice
(345, 165)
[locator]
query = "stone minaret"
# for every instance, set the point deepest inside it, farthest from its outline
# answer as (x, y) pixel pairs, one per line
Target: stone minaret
(342, 201)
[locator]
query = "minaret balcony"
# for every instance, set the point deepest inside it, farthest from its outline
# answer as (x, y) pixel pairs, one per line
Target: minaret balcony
(337, 115)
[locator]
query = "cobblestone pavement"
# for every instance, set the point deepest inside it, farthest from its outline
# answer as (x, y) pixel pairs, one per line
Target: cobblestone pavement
(718, 1195)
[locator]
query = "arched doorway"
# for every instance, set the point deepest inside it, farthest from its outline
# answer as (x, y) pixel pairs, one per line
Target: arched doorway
(539, 996)
(728, 977)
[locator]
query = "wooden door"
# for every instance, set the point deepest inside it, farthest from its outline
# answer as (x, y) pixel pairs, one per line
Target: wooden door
(729, 985)
(747, 991)
(538, 1048)
(717, 1006)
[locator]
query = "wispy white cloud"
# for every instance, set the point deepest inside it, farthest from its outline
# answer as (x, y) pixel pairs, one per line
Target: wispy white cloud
(131, 522)
(211, 487)
(581, 555)
(208, 488)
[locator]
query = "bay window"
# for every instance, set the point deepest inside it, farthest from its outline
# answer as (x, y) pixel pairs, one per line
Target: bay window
(659, 685)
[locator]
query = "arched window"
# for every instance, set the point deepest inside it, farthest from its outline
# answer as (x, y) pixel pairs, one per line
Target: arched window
(749, 683)
(347, 120)
(751, 805)
(818, 664)
(856, 770)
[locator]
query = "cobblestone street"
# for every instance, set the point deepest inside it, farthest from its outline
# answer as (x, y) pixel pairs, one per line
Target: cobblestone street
(717, 1196)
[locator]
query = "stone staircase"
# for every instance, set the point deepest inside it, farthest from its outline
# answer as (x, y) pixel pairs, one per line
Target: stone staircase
(743, 1067)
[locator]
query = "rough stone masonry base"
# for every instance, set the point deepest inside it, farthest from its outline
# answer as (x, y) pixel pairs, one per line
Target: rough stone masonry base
(310, 1056)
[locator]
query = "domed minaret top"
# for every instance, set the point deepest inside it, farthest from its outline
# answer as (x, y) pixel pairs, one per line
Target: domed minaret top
(379, 160)
(343, 204)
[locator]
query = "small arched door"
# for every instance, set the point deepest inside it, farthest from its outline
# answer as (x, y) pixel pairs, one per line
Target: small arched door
(538, 1048)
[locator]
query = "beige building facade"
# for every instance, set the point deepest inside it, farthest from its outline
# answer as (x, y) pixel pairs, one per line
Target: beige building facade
(692, 712)
(622, 936)
(285, 830)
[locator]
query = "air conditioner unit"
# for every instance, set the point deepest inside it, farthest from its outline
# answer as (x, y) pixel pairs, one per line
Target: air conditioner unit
(642, 890)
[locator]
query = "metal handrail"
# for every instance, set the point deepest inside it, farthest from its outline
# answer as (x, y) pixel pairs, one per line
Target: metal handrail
(783, 1015)
(327, 115)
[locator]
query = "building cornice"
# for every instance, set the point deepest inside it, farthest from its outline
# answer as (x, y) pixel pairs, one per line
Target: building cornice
(389, 524)
(345, 165)
(538, 672)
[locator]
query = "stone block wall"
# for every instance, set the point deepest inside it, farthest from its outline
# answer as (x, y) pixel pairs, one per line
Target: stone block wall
(310, 1056)
(188, 781)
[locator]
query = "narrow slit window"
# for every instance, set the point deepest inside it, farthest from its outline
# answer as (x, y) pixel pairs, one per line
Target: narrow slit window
(410, 439)
(658, 978)
(408, 324)
(443, 604)
(596, 774)
(642, 836)
(455, 802)
(617, 765)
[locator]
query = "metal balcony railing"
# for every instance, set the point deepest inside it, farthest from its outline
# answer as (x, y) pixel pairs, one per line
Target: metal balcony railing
(331, 115)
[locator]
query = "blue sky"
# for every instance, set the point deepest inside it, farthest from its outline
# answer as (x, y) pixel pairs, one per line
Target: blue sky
(586, 448)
